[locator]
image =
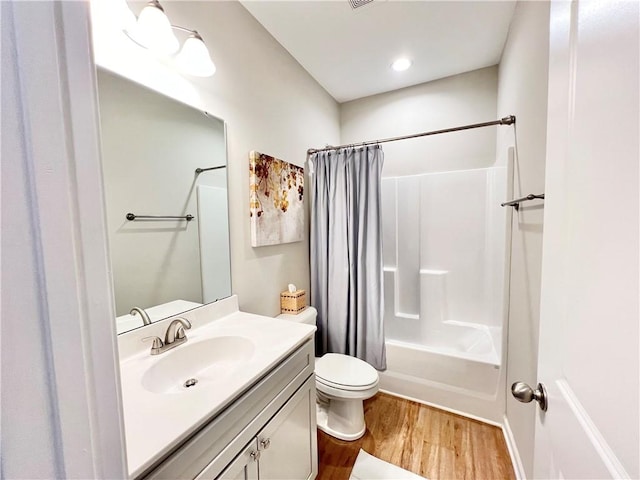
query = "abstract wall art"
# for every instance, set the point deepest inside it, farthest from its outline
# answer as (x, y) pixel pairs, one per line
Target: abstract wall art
(276, 200)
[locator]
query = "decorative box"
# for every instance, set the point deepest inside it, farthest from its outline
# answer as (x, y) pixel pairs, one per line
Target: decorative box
(293, 303)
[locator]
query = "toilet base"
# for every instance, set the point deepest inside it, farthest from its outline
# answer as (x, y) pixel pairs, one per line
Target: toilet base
(342, 419)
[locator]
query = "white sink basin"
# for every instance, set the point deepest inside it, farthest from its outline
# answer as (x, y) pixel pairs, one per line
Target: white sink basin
(194, 366)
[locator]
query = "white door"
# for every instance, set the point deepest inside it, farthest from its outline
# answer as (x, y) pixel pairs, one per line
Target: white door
(588, 353)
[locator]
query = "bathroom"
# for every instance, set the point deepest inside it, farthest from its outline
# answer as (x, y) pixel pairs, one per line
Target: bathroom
(62, 416)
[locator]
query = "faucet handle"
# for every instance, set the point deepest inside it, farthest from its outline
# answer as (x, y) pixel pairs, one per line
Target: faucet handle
(180, 333)
(156, 345)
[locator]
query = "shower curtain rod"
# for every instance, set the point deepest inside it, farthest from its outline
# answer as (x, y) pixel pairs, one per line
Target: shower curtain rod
(510, 120)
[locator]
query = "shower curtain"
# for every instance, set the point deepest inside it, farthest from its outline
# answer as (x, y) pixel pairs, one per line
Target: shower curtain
(346, 252)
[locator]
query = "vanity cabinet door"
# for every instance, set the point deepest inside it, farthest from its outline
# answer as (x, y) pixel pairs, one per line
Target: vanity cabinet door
(245, 465)
(288, 443)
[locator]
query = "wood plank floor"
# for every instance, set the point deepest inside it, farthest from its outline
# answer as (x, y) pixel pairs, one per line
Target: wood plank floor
(432, 443)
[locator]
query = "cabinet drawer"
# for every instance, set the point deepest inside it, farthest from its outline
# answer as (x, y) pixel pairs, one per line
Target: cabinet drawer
(225, 435)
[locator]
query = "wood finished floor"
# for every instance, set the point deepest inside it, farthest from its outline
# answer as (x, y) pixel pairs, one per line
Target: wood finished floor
(432, 443)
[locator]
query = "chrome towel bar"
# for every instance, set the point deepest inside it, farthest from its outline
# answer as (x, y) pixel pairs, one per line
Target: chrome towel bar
(132, 217)
(516, 203)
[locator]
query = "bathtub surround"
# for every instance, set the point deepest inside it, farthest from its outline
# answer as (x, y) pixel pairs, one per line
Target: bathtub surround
(346, 252)
(444, 288)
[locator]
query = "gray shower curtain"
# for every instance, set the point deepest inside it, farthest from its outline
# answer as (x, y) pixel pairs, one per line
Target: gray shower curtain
(346, 253)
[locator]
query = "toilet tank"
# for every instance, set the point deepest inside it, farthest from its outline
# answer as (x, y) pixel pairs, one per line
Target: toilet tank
(308, 316)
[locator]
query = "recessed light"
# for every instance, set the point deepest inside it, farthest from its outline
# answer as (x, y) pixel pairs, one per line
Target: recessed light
(401, 64)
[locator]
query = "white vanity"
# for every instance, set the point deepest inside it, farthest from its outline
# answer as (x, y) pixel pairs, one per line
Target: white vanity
(250, 412)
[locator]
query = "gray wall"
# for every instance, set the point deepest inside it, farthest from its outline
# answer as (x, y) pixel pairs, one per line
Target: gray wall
(458, 100)
(522, 91)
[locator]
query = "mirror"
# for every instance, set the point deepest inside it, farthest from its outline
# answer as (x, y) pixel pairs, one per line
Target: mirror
(151, 148)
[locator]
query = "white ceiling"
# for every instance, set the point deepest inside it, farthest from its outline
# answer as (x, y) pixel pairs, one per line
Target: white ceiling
(349, 52)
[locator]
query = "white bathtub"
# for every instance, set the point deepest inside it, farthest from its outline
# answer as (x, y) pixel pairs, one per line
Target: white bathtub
(458, 370)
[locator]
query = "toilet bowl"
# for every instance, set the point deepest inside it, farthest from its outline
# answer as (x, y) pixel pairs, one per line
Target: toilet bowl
(342, 384)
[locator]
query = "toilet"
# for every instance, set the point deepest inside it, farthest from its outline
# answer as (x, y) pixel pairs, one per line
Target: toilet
(342, 384)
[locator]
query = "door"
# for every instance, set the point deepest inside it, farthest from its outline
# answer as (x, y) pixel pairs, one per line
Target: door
(244, 466)
(588, 351)
(288, 443)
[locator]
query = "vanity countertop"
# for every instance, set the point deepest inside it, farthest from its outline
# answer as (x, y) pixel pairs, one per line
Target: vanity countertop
(155, 423)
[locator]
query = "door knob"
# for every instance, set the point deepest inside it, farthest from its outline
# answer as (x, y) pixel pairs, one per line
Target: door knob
(265, 443)
(524, 393)
(255, 455)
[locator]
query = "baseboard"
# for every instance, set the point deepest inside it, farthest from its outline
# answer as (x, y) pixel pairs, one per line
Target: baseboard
(513, 450)
(446, 409)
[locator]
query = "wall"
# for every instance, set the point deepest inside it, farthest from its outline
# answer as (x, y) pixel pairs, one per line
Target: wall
(270, 104)
(458, 100)
(522, 91)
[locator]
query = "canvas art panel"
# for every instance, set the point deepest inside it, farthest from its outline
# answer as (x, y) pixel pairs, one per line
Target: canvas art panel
(276, 200)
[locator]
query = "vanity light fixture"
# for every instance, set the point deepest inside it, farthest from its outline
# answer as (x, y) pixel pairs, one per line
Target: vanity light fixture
(401, 64)
(154, 31)
(194, 57)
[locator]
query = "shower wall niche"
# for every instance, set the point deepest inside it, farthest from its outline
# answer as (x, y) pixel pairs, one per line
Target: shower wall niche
(444, 262)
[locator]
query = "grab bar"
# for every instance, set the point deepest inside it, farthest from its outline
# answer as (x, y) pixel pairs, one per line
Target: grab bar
(516, 203)
(132, 217)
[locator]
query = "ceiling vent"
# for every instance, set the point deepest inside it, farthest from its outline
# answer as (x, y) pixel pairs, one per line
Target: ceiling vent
(358, 3)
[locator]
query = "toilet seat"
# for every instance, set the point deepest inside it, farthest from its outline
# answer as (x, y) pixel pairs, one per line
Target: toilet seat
(347, 373)
(349, 388)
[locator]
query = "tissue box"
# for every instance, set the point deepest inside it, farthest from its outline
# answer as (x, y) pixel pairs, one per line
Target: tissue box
(293, 303)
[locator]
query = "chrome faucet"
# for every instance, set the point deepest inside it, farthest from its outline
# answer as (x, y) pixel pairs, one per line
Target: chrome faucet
(174, 336)
(175, 332)
(145, 316)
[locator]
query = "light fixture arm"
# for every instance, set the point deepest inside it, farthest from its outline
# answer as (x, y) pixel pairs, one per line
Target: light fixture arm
(187, 30)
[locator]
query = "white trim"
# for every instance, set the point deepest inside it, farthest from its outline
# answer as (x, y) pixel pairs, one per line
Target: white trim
(592, 433)
(446, 409)
(510, 440)
(60, 125)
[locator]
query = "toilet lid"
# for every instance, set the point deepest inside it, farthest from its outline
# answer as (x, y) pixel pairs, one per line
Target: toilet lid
(345, 371)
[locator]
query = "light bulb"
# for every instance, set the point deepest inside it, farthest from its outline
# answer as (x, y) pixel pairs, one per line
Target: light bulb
(194, 57)
(401, 64)
(154, 30)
